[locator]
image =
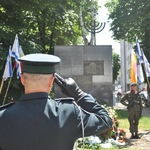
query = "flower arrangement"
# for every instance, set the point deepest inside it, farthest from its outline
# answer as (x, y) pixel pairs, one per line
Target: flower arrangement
(112, 133)
(121, 135)
(115, 135)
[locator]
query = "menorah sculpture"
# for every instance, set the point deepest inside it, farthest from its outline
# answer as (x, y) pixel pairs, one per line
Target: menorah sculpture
(94, 28)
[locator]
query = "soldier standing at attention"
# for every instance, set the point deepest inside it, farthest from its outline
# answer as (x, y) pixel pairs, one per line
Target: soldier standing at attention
(132, 100)
(38, 122)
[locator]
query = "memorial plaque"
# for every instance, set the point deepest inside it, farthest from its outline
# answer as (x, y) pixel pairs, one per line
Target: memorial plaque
(95, 67)
(90, 67)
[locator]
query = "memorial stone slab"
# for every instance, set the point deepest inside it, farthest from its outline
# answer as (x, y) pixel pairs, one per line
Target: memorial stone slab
(90, 67)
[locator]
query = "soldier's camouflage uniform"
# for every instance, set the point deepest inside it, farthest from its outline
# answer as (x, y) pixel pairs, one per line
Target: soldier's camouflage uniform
(134, 105)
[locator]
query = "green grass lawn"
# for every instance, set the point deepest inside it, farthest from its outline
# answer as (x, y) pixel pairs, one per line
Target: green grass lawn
(122, 116)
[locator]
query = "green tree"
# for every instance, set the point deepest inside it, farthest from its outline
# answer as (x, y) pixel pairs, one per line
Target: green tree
(43, 23)
(116, 65)
(130, 19)
(40, 25)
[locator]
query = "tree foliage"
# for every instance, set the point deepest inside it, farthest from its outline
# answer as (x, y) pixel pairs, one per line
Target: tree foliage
(130, 19)
(40, 25)
(116, 66)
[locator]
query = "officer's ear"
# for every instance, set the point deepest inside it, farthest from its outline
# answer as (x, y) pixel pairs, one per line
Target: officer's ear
(51, 80)
(22, 79)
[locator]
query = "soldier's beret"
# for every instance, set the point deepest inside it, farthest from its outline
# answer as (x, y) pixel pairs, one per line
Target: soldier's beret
(39, 63)
(133, 84)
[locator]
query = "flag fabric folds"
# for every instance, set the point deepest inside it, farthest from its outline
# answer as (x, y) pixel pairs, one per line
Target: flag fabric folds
(8, 67)
(140, 75)
(133, 67)
(138, 58)
(138, 51)
(16, 55)
(146, 64)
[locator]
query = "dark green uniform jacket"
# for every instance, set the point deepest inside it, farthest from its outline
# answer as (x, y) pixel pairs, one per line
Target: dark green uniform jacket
(37, 122)
(131, 100)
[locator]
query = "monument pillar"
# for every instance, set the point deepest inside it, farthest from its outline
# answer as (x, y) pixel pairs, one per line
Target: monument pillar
(90, 67)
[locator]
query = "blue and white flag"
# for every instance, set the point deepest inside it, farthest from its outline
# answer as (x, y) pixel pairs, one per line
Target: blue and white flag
(16, 55)
(138, 51)
(147, 65)
(140, 76)
(8, 67)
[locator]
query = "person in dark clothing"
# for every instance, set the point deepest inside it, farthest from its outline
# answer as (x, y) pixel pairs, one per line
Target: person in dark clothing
(133, 101)
(37, 122)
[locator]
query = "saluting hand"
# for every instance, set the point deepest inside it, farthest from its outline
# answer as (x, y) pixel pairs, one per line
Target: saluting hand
(69, 87)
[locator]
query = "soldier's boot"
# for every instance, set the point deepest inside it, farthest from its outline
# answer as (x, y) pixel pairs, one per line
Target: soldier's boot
(132, 135)
(136, 136)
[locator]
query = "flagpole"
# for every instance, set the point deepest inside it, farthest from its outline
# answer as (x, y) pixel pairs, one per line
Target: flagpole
(148, 83)
(2, 82)
(144, 68)
(8, 87)
(16, 54)
(146, 75)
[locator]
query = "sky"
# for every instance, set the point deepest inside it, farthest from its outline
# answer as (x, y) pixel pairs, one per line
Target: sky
(104, 37)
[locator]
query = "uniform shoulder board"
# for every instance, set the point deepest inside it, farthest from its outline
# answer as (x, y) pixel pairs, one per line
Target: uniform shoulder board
(7, 105)
(65, 99)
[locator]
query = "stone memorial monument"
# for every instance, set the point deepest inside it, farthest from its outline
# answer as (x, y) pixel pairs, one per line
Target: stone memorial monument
(90, 67)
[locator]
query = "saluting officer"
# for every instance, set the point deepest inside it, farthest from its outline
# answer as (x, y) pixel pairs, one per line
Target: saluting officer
(132, 100)
(37, 122)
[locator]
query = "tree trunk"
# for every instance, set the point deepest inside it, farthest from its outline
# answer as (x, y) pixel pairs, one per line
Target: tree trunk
(93, 40)
(86, 42)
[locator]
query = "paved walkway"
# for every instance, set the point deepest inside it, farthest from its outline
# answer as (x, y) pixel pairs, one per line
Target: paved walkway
(139, 144)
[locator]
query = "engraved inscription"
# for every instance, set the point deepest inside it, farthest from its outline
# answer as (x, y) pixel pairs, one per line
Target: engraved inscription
(95, 67)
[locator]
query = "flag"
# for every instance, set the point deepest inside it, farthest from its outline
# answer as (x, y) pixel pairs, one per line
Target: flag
(21, 53)
(16, 55)
(8, 67)
(133, 67)
(140, 75)
(138, 51)
(147, 65)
